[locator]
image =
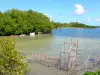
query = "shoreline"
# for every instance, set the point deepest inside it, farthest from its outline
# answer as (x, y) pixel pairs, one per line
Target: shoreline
(37, 33)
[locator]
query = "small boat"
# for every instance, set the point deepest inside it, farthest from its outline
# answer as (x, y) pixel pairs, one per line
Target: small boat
(81, 28)
(22, 35)
(32, 34)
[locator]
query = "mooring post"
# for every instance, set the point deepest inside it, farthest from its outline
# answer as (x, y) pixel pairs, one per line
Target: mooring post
(64, 53)
(77, 45)
(60, 60)
(64, 46)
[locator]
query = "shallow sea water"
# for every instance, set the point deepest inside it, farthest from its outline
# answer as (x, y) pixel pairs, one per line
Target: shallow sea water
(52, 44)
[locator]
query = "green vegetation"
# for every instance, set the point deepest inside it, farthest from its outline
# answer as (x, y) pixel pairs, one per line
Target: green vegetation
(72, 24)
(11, 62)
(92, 73)
(15, 22)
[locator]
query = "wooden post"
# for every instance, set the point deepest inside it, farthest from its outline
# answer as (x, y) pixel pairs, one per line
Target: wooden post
(64, 53)
(64, 46)
(60, 60)
(77, 45)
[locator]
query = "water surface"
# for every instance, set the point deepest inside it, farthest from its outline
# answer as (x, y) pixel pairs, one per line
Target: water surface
(52, 44)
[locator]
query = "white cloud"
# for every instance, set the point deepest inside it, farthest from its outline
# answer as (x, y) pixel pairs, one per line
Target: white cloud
(79, 9)
(98, 19)
(89, 19)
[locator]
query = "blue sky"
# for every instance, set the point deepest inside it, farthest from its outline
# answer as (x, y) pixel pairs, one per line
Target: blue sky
(85, 11)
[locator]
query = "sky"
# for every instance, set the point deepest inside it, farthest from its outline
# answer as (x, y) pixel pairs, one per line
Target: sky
(84, 11)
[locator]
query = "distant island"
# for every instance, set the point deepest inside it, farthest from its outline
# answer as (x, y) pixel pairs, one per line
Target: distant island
(73, 25)
(17, 22)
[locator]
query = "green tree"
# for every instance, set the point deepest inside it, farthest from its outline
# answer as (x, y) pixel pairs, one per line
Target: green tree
(15, 22)
(11, 61)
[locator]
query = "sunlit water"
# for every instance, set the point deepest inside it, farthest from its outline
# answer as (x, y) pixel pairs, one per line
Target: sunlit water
(52, 44)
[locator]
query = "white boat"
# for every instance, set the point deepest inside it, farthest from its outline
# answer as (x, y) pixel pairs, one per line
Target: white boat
(32, 34)
(22, 35)
(81, 28)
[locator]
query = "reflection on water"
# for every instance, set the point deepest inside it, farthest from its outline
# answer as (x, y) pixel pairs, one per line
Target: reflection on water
(52, 44)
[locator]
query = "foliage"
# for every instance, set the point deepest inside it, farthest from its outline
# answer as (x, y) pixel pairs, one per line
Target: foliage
(92, 73)
(15, 22)
(72, 24)
(11, 62)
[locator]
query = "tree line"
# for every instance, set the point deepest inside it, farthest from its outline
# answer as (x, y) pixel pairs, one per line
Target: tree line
(16, 22)
(72, 24)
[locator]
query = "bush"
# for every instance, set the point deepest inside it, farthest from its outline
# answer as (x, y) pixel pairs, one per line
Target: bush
(92, 73)
(11, 62)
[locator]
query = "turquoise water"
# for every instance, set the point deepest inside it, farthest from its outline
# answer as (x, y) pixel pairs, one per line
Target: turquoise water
(52, 44)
